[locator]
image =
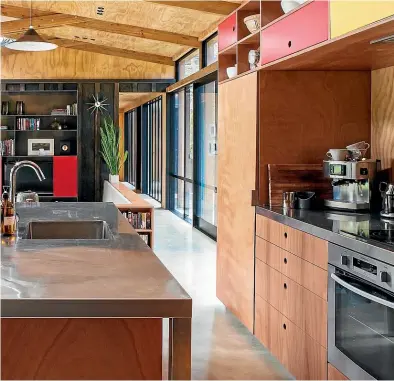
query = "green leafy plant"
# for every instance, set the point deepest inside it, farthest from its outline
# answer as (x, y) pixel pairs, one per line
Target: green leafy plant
(110, 139)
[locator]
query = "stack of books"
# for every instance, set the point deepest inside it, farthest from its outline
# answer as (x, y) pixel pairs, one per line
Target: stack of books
(7, 147)
(59, 111)
(138, 220)
(28, 124)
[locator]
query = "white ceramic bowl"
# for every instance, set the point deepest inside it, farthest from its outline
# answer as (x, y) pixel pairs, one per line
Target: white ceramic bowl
(252, 23)
(289, 5)
(231, 71)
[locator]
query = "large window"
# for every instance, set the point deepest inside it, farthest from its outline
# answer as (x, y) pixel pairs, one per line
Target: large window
(188, 65)
(181, 157)
(206, 158)
(152, 148)
(132, 145)
(193, 155)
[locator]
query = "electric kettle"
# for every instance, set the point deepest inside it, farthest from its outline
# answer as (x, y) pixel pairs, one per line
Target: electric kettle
(387, 192)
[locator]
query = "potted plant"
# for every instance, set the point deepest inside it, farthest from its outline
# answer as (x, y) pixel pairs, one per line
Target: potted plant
(114, 159)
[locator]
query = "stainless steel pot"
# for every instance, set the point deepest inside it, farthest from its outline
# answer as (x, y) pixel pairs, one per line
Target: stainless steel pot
(387, 192)
(27, 196)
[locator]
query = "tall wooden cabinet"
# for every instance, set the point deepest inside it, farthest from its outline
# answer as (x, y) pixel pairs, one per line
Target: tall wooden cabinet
(236, 181)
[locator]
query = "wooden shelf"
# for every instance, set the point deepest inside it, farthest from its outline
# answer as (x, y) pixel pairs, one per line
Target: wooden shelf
(251, 39)
(73, 130)
(143, 230)
(351, 51)
(38, 116)
(230, 50)
(40, 92)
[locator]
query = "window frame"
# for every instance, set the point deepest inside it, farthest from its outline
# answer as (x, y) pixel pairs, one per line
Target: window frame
(177, 62)
(205, 48)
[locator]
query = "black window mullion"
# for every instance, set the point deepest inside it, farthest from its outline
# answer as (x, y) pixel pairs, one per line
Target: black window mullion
(160, 117)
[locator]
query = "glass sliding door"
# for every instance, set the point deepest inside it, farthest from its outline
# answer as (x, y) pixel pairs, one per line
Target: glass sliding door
(132, 145)
(152, 152)
(193, 155)
(206, 158)
(181, 154)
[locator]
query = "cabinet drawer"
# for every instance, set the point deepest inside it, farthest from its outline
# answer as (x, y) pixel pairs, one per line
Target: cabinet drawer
(305, 27)
(350, 15)
(299, 353)
(228, 32)
(303, 272)
(301, 306)
(303, 245)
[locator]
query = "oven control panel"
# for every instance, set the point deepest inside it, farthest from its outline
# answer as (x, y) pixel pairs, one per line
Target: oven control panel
(377, 272)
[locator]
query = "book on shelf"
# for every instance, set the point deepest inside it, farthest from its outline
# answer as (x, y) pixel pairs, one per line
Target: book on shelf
(7, 147)
(139, 220)
(28, 124)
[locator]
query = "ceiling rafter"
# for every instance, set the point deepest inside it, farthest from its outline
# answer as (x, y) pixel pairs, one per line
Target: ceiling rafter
(215, 7)
(21, 12)
(111, 27)
(39, 22)
(107, 50)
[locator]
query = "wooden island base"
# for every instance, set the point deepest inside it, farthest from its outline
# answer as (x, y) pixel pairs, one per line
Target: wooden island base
(81, 348)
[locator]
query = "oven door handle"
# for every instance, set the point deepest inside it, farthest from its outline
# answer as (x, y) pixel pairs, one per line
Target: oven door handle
(361, 292)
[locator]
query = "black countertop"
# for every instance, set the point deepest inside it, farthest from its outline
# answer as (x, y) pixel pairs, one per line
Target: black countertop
(350, 230)
(116, 277)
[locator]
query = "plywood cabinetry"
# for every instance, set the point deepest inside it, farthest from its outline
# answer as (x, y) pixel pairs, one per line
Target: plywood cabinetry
(306, 246)
(291, 297)
(298, 352)
(236, 181)
(303, 272)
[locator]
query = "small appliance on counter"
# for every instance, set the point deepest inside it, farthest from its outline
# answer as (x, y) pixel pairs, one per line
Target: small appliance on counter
(352, 177)
(351, 183)
(387, 192)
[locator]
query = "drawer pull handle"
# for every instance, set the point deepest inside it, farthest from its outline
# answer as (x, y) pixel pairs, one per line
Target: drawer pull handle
(285, 235)
(285, 286)
(285, 260)
(234, 28)
(289, 44)
(284, 326)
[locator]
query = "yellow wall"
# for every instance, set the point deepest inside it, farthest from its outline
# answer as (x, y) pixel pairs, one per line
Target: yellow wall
(65, 63)
(347, 15)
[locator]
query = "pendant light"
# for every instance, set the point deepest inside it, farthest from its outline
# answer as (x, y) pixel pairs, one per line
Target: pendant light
(31, 41)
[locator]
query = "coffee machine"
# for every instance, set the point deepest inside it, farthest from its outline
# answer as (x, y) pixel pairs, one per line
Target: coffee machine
(352, 183)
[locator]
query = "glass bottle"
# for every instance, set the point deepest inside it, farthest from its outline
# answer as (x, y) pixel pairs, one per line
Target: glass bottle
(8, 220)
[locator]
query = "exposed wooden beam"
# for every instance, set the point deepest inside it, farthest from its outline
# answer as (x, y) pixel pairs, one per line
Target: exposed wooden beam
(108, 27)
(216, 7)
(39, 22)
(21, 12)
(124, 53)
(135, 31)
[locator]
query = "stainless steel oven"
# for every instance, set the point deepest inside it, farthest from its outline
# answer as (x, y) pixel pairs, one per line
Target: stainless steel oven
(360, 315)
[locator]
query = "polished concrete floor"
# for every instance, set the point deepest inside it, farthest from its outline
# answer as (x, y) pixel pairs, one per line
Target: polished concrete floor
(222, 348)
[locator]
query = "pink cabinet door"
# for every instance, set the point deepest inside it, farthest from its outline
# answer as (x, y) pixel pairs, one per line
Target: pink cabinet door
(228, 32)
(303, 28)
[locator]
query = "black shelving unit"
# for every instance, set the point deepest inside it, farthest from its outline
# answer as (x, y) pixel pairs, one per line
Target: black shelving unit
(39, 100)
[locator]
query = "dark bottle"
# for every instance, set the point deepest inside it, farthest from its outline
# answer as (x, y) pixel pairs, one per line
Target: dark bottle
(8, 220)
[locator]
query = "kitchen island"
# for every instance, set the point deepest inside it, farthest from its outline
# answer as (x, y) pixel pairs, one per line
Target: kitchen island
(88, 308)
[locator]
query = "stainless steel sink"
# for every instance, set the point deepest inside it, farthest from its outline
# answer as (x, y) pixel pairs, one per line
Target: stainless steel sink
(95, 229)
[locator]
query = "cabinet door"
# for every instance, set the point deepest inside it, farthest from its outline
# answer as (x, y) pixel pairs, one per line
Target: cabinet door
(306, 27)
(334, 374)
(236, 181)
(65, 176)
(349, 15)
(228, 32)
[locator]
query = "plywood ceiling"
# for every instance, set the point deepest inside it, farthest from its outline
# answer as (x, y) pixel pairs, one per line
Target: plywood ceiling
(155, 31)
(129, 101)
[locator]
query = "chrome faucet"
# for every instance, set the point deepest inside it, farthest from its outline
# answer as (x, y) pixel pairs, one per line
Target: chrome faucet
(18, 165)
